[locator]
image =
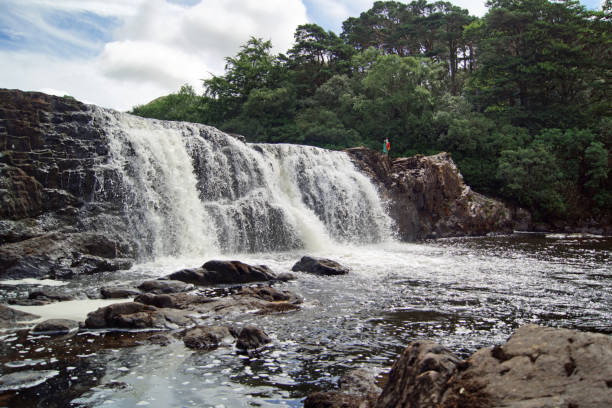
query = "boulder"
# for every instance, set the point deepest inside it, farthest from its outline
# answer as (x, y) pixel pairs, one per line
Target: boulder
(119, 292)
(224, 272)
(174, 300)
(129, 315)
(419, 377)
(56, 326)
(252, 337)
(538, 367)
(319, 266)
(10, 317)
(209, 337)
(160, 286)
(358, 389)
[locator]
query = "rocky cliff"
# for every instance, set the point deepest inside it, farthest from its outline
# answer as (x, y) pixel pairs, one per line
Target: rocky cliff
(427, 197)
(50, 223)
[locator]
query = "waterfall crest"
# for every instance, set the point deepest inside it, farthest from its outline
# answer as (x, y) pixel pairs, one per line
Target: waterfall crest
(190, 189)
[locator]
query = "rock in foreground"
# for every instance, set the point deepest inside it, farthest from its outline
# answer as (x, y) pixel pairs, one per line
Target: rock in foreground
(319, 266)
(538, 367)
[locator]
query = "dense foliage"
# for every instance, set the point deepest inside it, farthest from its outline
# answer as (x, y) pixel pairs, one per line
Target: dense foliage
(520, 97)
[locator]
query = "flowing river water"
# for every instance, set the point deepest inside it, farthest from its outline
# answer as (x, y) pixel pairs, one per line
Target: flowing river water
(464, 293)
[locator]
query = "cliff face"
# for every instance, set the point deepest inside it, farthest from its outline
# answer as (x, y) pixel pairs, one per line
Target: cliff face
(427, 197)
(49, 224)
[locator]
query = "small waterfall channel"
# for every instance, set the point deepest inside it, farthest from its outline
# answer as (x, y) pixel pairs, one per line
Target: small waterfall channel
(189, 189)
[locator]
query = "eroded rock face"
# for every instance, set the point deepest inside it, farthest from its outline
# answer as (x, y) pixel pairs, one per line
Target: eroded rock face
(538, 367)
(428, 198)
(50, 221)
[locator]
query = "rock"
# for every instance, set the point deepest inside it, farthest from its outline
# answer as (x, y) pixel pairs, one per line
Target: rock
(41, 297)
(56, 326)
(119, 292)
(286, 276)
(252, 337)
(176, 300)
(334, 399)
(25, 379)
(160, 340)
(537, 367)
(270, 294)
(319, 266)
(419, 377)
(129, 315)
(160, 286)
(61, 255)
(428, 198)
(9, 317)
(209, 337)
(224, 272)
(358, 389)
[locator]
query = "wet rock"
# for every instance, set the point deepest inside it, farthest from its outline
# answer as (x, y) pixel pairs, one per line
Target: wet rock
(249, 300)
(286, 276)
(119, 292)
(419, 377)
(429, 199)
(358, 389)
(25, 379)
(129, 315)
(160, 286)
(224, 272)
(319, 266)
(42, 297)
(271, 294)
(252, 337)
(537, 367)
(61, 255)
(56, 326)
(209, 337)
(9, 317)
(334, 399)
(176, 300)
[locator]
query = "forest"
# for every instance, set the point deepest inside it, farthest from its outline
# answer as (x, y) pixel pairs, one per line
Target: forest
(521, 97)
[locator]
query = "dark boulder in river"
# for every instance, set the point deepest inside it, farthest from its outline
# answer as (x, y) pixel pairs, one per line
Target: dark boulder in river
(10, 317)
(319, 266)
(537, 367)
(56, 326)
(224, 272)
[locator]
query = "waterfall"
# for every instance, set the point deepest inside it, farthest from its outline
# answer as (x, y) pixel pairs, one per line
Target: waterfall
(190, 189)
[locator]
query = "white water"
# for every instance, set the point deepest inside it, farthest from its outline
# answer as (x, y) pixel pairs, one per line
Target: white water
(190, 190)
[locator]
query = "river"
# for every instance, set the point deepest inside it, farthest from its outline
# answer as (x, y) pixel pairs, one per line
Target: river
(464, 293)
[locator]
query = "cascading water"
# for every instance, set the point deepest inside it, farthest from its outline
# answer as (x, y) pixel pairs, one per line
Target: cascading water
(189, 189)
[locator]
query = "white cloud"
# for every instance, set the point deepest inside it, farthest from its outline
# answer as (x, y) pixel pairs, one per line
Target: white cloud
(158, 47)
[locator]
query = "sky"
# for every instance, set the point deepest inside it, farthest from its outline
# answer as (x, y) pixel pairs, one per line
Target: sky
(121, 53)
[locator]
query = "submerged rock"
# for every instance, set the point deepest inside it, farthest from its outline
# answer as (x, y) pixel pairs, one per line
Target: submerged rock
(25, 379)
(537, 367)
(224, 272)
(56, 326)
(252, 337)
(119, 292)
(319, 266)
(209, 337)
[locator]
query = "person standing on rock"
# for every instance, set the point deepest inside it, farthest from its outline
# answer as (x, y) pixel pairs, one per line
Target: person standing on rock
(386, 146)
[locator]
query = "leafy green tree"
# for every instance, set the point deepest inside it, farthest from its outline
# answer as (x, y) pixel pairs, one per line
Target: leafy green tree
(184, 105)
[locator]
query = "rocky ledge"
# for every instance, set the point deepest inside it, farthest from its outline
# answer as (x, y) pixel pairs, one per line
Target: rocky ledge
(538, 367)
(428, 198)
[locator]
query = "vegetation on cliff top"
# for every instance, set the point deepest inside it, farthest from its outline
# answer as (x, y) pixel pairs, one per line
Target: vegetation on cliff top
(521, 97)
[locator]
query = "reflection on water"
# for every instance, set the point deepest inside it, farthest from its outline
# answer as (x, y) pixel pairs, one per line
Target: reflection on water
(463, 293)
